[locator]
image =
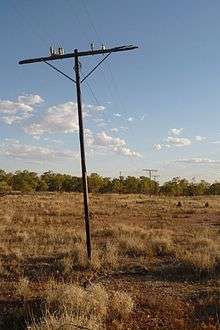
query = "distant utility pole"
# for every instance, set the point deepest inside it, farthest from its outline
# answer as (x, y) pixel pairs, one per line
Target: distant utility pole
(120, 178)
(60, 55)
(150, 171)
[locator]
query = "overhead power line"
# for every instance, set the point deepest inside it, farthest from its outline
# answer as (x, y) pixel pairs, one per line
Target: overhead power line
(111, 81)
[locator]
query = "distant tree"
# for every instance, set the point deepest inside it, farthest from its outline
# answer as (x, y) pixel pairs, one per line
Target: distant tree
(214, 189)
(4, 182)
(76, 184)
(171, 187)
(42, 185)
(54, 181)
(131, 184)
(196, 189)
(95, 183)
(4, 187)
(147, 186)
(202, 187)
(71, 183)
(3, 175)
(117, 185)
(106, 186)
(25, 181)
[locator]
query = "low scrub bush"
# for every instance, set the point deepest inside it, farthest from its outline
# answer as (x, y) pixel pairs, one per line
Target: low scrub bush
(72, 305)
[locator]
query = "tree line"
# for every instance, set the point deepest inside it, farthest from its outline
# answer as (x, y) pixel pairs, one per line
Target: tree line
(27, 181)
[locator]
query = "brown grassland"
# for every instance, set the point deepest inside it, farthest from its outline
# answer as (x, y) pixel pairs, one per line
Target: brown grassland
(155, 263)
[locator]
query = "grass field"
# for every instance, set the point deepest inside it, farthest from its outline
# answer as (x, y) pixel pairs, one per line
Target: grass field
(155, 263)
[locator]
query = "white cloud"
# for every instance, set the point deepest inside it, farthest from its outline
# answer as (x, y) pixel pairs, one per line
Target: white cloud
(11, 112)
(158, 146)
(178, 141)
(106, 143)
(61, 118)
(15, 149)
(31, 99)
(130, 119)
(198, 161)
(116, 114)
(104, 139)
(11, 108)
(96, 108)
(200, 138)
(17, 111)
(174, 140)
(175, 131)
(216, 142)
(126, 152)
(99, 108)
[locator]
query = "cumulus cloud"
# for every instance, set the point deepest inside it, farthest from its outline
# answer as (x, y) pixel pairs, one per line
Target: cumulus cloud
(200, 138)
(175, 131)
(31, 99)
(125, 151)
(61, 118)
(98, 108)
(178, 141)
(158, 146)
(16, 111)
(130, 119)
(174, 140)
(105, 143)
(14, 149)
(202, 161)
(116, 114)
(103, 139)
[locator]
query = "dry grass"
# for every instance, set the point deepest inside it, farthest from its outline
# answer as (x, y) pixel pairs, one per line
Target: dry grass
(65, 322)
(71, 305)
(23, 288)
(42, 257)
(121, 305)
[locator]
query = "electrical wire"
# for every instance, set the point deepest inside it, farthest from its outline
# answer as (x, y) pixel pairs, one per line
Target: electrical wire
(91, 21)
(29, 19)
(113, 81)
(95, 99)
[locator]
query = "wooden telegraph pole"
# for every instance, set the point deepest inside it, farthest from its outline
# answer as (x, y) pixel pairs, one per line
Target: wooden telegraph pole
(150, 171)
(76, 55)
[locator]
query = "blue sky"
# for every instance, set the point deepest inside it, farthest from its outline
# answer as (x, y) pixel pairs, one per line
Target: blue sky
(155, 107)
